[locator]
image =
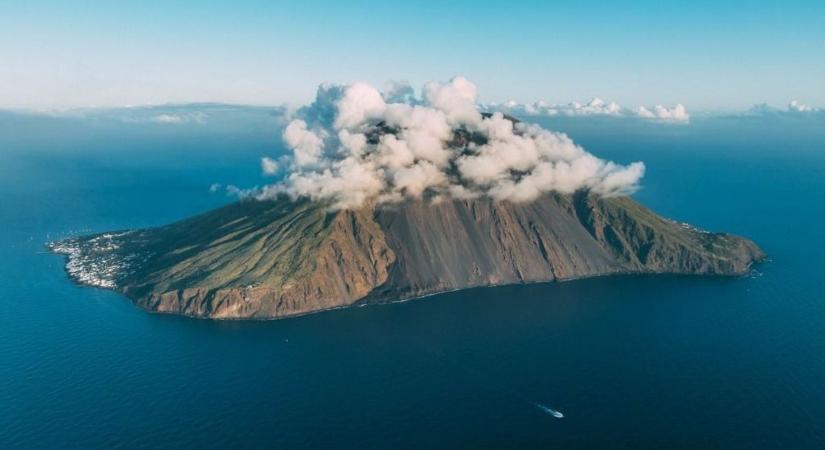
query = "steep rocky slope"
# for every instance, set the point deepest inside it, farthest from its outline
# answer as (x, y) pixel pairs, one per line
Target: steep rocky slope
(277, 258)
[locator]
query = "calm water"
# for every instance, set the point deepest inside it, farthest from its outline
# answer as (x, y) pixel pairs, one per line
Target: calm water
(633, 362)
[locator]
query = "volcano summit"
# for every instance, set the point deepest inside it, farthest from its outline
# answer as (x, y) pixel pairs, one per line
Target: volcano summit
(391, 197)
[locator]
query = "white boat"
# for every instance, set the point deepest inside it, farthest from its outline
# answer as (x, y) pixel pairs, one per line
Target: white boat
(551, 411)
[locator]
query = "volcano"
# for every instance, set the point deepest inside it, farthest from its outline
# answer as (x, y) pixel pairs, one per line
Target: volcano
(284, 257)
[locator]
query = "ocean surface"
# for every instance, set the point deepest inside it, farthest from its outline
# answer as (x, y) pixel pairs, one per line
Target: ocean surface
(632, 362)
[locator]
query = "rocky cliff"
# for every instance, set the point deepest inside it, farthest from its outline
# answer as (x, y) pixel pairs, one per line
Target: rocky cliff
(279, 258)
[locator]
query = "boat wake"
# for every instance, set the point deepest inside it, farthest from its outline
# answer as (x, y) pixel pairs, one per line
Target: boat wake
(551, 411)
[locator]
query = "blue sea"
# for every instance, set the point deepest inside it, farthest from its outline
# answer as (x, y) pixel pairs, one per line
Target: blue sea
(633, 362)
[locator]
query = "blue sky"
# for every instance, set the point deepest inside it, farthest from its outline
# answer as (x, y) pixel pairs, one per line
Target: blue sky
(708, 56)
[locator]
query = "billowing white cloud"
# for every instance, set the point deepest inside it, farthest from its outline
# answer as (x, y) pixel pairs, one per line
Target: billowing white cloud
(662, 113)
(456, 99)
(354, 145)
(305, 144)
(359, 103)
(595, 107)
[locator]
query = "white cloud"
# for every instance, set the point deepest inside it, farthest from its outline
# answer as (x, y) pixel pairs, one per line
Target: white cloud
(176, 119)
(167, 118)
(456, 99)
(595, 107)
(664, 114)
(269, 166)
(794, 109)
(359, 103)
(354, 144)
(305, 144)
(795, 106)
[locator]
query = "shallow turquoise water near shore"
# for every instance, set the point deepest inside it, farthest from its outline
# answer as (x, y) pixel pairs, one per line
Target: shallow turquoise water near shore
(632, 362)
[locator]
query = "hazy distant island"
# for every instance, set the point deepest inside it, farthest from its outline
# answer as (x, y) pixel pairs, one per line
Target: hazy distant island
(390, 197)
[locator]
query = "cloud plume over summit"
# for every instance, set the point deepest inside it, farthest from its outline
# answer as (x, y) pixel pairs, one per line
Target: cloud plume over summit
(355, 144)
